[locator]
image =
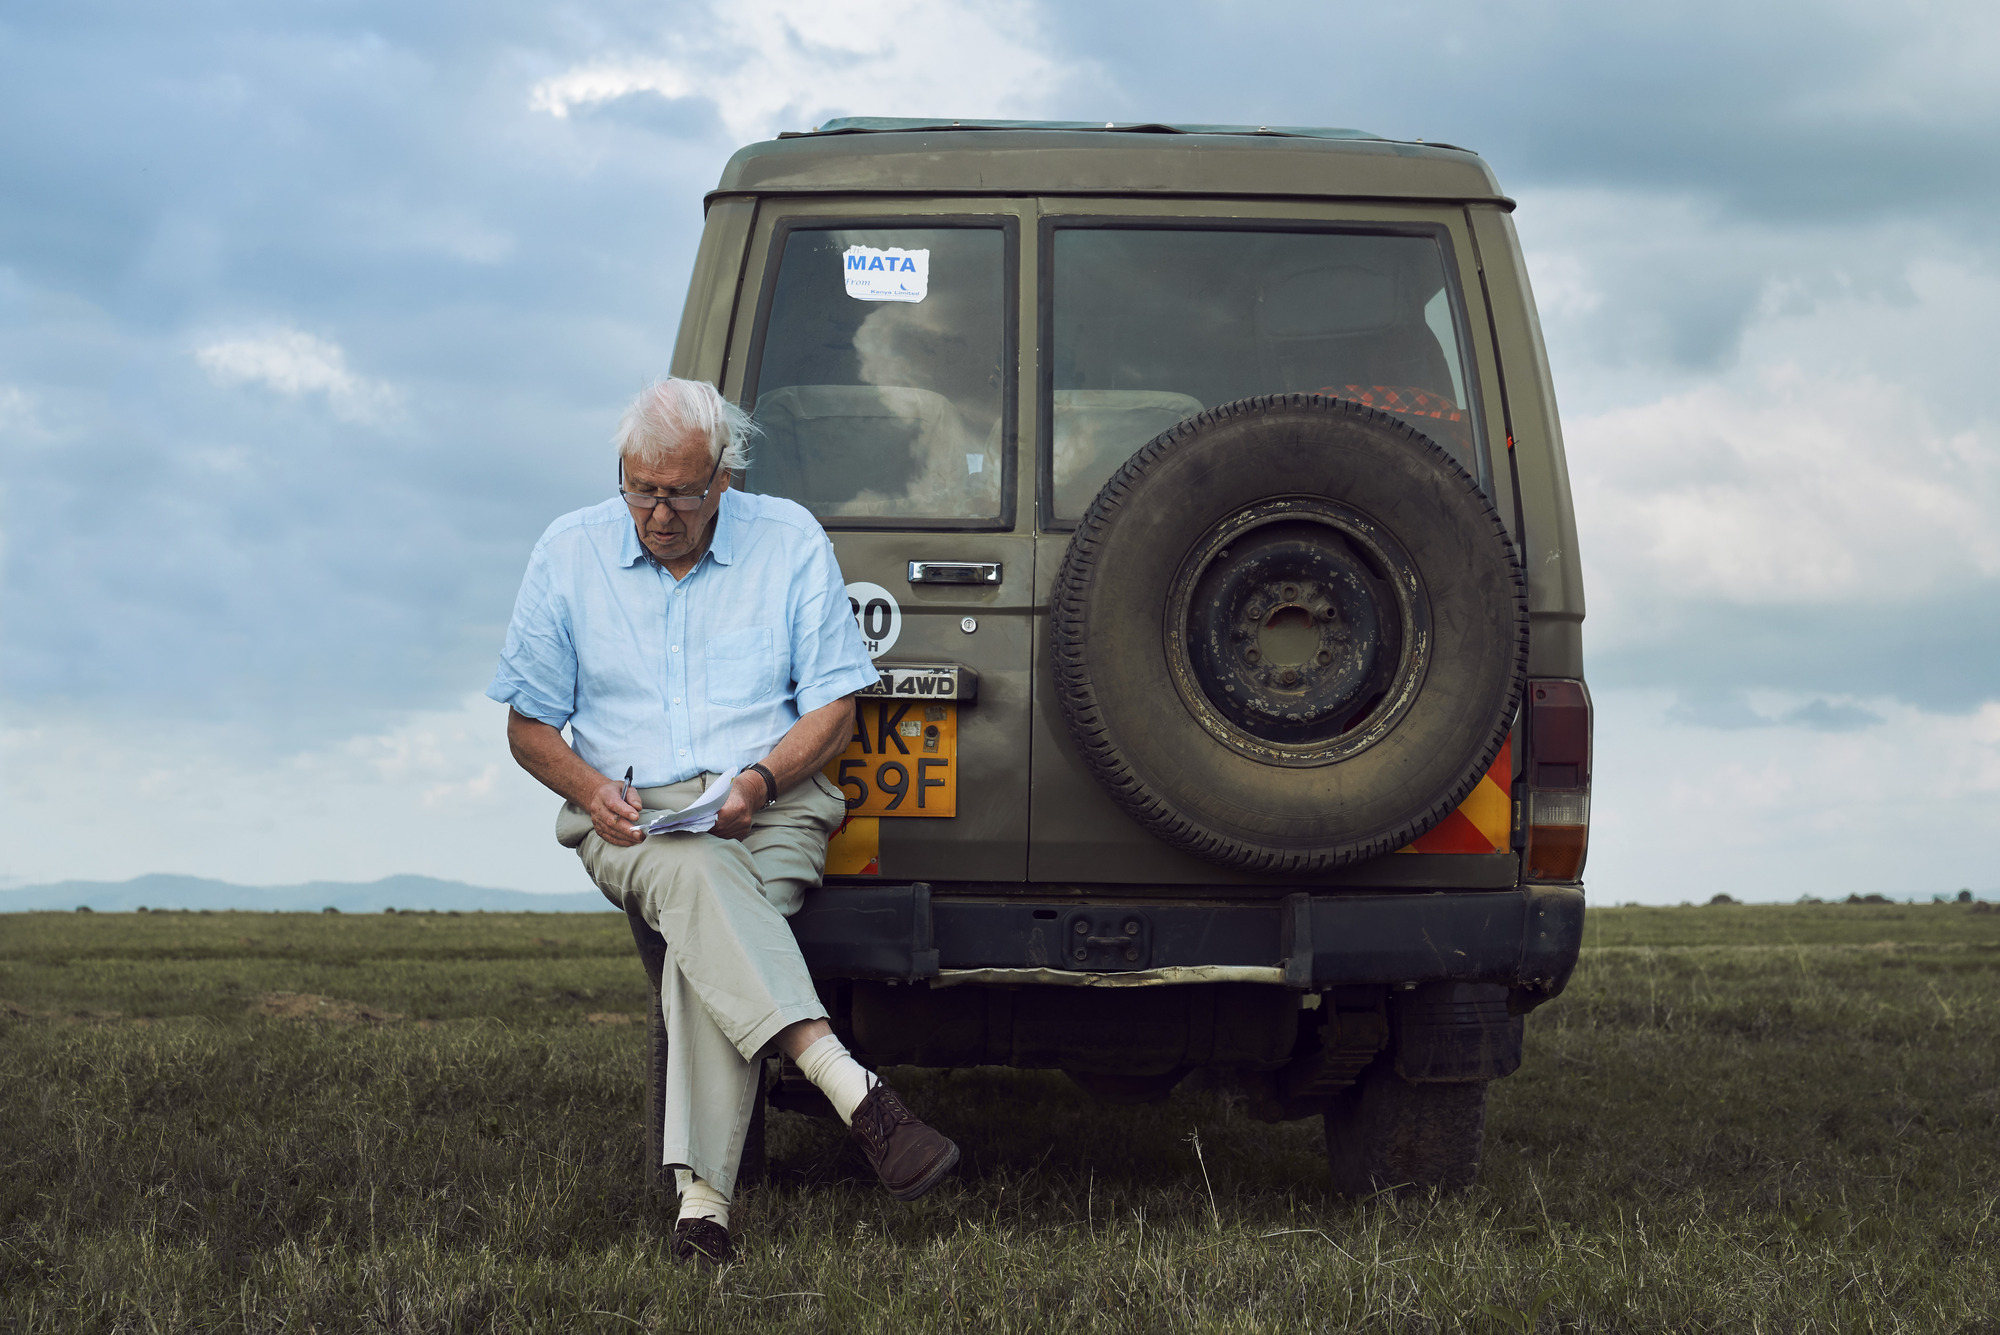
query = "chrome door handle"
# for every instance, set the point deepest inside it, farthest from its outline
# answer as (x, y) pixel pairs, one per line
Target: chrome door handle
(954, 572)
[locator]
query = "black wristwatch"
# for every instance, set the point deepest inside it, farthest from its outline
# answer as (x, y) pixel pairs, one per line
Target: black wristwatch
(770, 783)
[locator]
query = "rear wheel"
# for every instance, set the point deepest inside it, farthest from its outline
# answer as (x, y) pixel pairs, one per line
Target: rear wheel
(1387, 1132)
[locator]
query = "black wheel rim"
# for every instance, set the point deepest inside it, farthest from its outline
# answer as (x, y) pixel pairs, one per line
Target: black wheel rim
(1297, 631)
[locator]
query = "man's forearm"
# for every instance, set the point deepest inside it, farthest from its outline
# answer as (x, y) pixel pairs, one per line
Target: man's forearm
(541, 750)
(810, 743)
(814, 740)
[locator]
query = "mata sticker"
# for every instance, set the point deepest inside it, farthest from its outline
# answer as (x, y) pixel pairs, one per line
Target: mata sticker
(876, 612)
(894, 274)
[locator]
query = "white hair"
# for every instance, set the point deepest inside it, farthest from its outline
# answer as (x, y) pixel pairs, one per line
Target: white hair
(656, 423)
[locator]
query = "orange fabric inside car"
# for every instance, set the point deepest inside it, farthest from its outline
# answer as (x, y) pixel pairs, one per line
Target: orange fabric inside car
(1432, 413)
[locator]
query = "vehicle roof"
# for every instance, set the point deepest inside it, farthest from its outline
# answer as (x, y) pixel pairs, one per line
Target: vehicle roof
(865, 155)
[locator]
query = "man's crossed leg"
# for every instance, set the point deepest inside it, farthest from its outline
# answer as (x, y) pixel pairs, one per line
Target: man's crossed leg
(734, 987)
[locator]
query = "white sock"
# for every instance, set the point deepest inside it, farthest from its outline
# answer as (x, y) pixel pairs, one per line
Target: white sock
(699, 1200)
(843, 1080)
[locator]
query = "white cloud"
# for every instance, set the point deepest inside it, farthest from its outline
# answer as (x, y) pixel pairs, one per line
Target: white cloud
(395, 221)
(1818, 449)
(1563, 287)
(1938, 69)
(435, 794)
(1784, 488)
(770, 65)
(1837, 447)
(295, 364)
(21, 418)
(1641, 291)
(1902, 807)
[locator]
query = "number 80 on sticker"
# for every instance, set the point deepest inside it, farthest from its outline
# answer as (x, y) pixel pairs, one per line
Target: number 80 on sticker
(877, 614)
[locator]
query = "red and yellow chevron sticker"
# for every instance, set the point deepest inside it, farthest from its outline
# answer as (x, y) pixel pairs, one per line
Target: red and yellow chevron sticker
(855, 849)
(1484, 822)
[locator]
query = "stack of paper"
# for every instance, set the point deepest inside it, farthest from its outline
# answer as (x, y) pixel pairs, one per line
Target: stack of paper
(693, 819)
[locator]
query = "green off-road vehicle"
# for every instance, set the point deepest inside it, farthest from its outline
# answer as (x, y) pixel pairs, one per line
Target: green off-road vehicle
(1203, 505)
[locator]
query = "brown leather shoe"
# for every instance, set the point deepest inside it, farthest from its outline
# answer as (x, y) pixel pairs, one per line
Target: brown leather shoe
(703, 1242)
(908, 1156)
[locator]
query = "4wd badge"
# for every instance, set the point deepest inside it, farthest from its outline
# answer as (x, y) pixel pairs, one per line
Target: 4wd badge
(925, 681)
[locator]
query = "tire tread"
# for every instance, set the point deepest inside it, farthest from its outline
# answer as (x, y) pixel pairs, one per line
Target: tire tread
(1076, 691)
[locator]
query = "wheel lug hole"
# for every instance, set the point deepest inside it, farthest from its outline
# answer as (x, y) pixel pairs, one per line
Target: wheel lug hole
(1252, 655)
(1324, 658)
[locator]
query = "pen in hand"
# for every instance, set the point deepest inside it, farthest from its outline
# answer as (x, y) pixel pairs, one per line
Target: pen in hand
(625, 787)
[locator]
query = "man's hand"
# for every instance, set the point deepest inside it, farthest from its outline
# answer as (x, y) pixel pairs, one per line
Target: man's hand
(816, 738)
(542, 752)
(746, 798)
(612, 816)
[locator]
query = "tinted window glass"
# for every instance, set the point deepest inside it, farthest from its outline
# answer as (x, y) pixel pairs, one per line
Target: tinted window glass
(882, 379)
(1151, 326)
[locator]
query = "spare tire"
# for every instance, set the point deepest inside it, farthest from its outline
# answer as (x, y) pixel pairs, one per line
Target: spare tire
(1290, 633)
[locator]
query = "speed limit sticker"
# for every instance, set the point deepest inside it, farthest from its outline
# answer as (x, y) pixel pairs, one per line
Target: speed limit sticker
(877, 613)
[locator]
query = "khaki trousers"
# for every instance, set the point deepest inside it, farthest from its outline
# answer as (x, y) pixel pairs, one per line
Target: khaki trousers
(733, 975)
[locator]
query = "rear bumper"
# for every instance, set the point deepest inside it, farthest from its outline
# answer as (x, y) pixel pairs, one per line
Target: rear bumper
(1525, 938)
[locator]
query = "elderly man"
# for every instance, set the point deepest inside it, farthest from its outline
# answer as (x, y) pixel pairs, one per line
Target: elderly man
(689, 630)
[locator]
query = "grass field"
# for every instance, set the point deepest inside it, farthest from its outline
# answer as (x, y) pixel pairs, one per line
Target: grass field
(1737, 1119)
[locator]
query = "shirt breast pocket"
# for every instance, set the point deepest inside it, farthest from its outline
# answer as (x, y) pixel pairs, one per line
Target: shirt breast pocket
(744, 668)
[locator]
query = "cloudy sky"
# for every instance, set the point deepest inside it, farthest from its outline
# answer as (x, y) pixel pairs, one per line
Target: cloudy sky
(312, 316)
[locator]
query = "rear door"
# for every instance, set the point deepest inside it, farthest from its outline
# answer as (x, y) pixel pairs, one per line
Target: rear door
(876, 346)
(1154, 309)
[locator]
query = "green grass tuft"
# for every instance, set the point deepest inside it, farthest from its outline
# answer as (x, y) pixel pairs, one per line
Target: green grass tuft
(1739, 1118)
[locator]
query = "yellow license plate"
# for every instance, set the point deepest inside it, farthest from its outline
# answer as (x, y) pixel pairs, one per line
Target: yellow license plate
(902, 760)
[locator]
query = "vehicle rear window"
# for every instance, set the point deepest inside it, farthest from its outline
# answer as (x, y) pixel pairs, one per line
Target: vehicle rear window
(881, 380)
(1150, 326)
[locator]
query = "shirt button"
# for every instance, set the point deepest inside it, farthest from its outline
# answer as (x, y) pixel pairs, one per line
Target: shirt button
(677, 699)
(673, 649)
(683, 753)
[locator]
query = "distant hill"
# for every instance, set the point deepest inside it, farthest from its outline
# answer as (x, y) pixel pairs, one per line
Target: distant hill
(197, 892)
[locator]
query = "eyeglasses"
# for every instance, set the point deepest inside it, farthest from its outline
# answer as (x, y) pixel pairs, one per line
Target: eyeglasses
(645, 502)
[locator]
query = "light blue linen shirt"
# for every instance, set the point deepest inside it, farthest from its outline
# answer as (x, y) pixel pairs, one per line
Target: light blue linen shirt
(681, 677)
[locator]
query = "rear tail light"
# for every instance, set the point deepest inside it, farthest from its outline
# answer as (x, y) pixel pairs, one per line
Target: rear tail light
(1556, 784)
